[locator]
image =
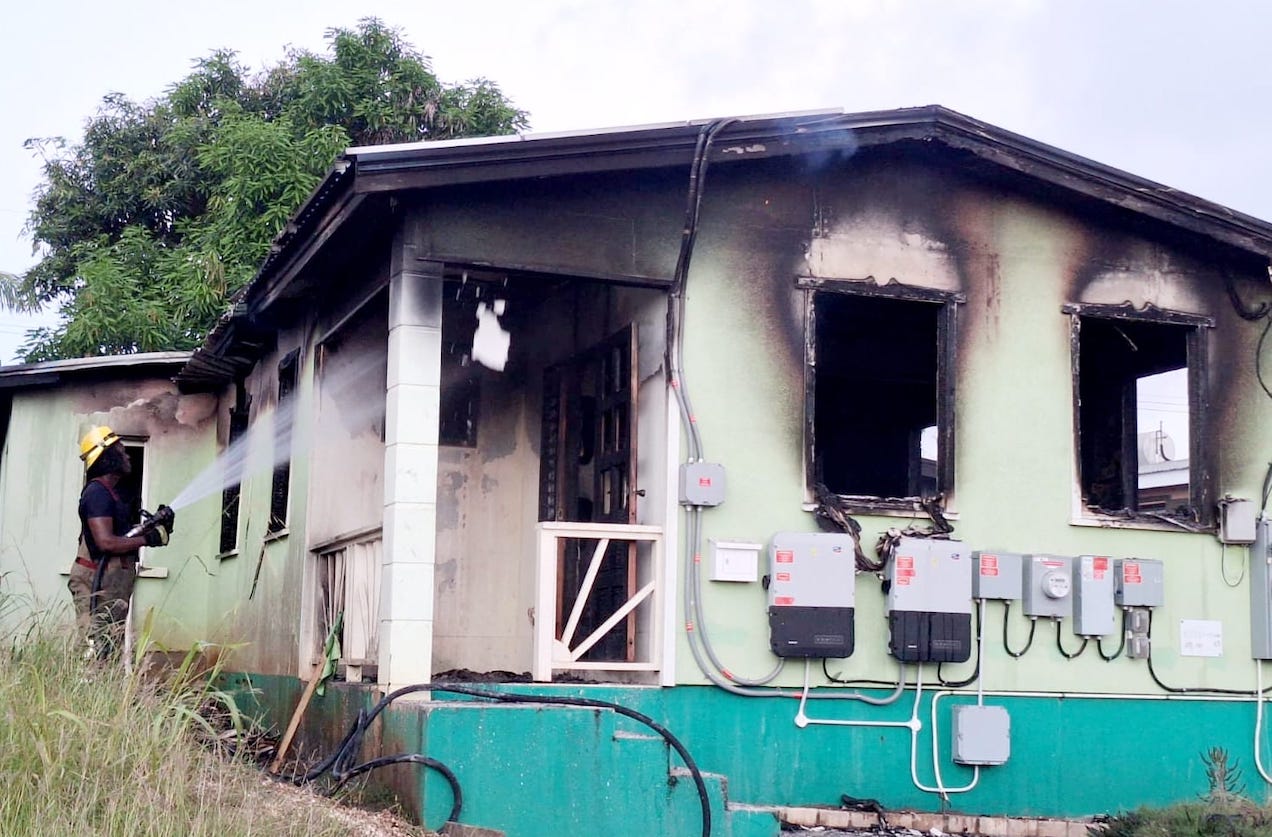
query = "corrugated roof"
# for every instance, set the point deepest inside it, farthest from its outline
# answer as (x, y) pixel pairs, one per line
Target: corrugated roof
(52, 371)
(391, 168)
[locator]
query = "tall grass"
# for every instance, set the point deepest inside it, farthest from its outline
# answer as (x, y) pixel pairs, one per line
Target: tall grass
(87, 748)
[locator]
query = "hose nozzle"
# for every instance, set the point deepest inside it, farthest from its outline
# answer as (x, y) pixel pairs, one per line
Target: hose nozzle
(164, 516)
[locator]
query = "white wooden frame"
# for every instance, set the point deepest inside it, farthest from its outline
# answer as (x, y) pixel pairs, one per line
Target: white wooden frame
(552, 654)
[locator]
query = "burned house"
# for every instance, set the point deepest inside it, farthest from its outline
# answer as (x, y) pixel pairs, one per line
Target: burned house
(826, 441)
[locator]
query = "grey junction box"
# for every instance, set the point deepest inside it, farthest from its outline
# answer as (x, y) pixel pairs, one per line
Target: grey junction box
(1138, 583)
(1261, 592)
(982, 735)
(701, 484)
(996, 575)
(1093, 607)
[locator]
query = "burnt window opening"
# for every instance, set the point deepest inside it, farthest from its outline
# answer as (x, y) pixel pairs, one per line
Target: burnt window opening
(230, 495)
(284, 420)
(1139, 389)
(881, 418)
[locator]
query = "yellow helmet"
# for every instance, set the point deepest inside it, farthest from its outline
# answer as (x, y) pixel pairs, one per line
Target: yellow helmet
(94, 442)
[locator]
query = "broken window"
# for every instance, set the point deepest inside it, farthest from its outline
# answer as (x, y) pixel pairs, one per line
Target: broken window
(283, 420)
(880, 418)
(230, 494)
(1139, 385)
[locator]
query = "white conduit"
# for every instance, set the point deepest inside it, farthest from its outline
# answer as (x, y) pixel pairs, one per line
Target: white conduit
(1258, 721)
(915, 726)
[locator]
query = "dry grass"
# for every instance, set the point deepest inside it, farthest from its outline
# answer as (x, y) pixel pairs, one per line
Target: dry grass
(88, 749)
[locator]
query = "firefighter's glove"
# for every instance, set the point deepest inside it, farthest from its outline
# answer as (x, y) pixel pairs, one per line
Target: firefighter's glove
(157, 536)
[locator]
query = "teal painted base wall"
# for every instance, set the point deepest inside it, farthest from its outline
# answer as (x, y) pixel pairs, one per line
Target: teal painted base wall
(532, 769)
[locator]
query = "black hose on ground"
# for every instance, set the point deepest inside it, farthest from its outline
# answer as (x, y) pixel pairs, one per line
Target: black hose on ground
(341, 762)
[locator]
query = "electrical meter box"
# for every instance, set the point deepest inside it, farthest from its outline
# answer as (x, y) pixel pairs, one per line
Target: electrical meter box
(1137, 582)
(996, 575)
(1261, 591)
(982, 735)
(1048, 586)
(812, 594)
(701, 484)
(1237, 520)
(930, 601)
(1093, 608)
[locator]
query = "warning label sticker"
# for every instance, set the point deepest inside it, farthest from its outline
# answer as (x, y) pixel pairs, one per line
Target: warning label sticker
(782, 577)
(783, 600)
(1131, 573)
(905, 562)
(989, 565)
(785, 556)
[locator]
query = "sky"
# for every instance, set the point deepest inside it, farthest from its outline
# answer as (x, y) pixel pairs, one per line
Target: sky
(1177, 92)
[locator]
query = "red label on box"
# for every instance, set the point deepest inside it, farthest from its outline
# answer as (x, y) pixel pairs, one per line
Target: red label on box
(905, 562)
(1101, 563)
(704, 482)
(989, 565)
(905, 573)
(1131, 574)
(785, 556)
(782, 577)
(1053, 563)
(903, 581)
(783, 600)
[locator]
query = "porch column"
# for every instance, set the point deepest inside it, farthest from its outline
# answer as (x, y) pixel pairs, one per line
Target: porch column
(410, 469)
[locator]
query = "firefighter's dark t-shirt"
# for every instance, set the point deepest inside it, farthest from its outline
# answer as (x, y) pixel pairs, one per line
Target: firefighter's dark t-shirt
(97, 501)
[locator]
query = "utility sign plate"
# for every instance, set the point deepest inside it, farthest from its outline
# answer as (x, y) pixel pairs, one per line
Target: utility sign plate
(1200, 638)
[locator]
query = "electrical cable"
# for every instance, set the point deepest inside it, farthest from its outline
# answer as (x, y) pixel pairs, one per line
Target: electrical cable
(1258, 358)
(1223, 567)
(1033, 627)
(1121, 646)
(1191, 690)
(855, 681)
(1267, 488)
(1060, 644)
(975, 671)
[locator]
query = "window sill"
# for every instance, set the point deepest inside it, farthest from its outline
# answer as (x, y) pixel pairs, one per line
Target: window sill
(1143, 523)
(882, 508)
(228, 554)
(280, 535)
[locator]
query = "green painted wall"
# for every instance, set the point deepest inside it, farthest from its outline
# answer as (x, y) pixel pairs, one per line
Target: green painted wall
(1018, 261)
(532, 769)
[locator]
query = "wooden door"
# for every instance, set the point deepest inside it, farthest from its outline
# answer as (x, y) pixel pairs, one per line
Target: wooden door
(588, 474)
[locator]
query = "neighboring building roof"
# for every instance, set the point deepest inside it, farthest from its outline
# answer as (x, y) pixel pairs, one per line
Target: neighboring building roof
(365, 172)
(51, 372)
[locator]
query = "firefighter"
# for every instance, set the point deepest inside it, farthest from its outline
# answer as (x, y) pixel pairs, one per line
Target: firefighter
(105, 567)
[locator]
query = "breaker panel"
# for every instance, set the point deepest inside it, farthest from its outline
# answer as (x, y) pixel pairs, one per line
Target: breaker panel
(996, 575)
(930, 601)
(1093, 608)
(811, 594)
(1138, 583)
(1261, 591)
(1048, 586)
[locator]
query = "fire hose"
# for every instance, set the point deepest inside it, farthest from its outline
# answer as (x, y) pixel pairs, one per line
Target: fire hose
(164, 516)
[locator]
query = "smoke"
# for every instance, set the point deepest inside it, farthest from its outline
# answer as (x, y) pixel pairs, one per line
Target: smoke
(353, 385)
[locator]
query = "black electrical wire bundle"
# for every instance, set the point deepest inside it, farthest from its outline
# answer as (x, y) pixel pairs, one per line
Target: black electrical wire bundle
(1069, 655)
(1121, 646)
(1033, 627)
(1189, 690)
(342, 767)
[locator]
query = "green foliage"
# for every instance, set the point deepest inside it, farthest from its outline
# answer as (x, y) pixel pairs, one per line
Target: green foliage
(87, 749)
(167, 208)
